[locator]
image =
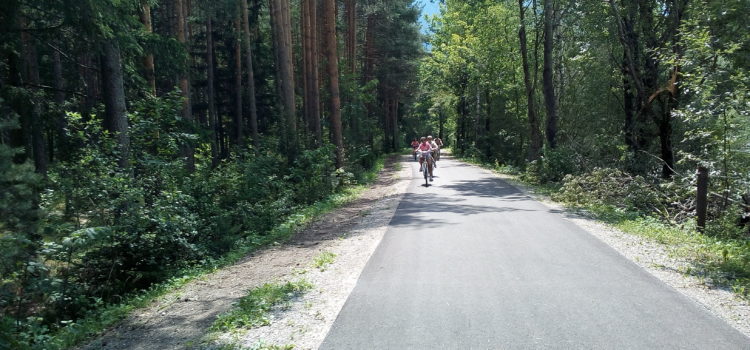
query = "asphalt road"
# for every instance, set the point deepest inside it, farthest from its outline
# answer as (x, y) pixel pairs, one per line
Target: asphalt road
(471, 262)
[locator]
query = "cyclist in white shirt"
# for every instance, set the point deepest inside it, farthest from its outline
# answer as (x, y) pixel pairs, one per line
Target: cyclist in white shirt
(434, 147)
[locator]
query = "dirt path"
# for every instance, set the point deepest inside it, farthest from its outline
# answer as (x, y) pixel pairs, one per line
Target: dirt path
(181, 318)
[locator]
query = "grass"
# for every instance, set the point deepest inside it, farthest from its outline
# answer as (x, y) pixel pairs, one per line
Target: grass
(99, 319)
(322, 261)
(717, 261)
(254, 308)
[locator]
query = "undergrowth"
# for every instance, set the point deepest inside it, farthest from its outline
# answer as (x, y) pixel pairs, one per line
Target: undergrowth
(253, 310)
(104, 315)
(322, 261)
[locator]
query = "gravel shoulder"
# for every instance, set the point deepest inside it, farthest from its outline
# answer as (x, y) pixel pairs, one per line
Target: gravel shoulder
(180, 319)
(656, 259)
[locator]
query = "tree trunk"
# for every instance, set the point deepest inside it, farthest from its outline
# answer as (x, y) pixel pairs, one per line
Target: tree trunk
(350, 8)
(311, 82)
(184, 80)
(238, 120)
(281, 26)
(549, 87)
(90, 80)
(35, 122)
(441, 124)
(212, 118)
(60, 122)
(628, 105)
(113, 91)
(394, 123)
(477, 118)
(677, 10)
(250, 75)
(535, 139)
(387, 121)
(148, 59)
(369, 63)
(665, 138)
(329, 13)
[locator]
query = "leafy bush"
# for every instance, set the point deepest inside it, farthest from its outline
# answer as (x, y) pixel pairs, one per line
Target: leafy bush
(553, 166)
(606, 186)
(312, 175)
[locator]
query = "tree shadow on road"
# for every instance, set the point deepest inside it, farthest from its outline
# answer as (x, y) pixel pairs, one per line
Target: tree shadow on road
(425, 209)
(488, 188)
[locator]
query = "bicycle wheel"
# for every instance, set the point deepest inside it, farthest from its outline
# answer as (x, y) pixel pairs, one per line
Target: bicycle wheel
(424, 171)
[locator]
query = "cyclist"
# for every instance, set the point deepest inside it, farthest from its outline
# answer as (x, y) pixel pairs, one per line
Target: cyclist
(439, 143)
(434, 147)
(425, 152)
(414, 146)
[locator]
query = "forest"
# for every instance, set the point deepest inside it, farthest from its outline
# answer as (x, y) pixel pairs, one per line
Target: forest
(140, 139)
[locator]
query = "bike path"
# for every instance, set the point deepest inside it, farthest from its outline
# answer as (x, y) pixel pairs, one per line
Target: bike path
(472, 262)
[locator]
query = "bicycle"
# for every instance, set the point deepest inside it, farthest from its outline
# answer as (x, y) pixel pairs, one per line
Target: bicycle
(426, 166)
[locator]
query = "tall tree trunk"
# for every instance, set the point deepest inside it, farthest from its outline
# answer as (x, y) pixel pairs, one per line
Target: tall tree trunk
(549, 87)
(477, 117)
(368, 67)
(252, 105)
(386, 121)
(310, 44)
(487, 129)
(634, 91)
(180, 9)
(281, 25)
(665, 137)
(369, 50)
(148, 59)
(329, 13)
(441, 124)
(239, 134)
(350, 8)
(90, 79)
(676, 10)
(628, 105)
(212, 118)
(535, 139)
(113, 91)
(394, 123)
(35, 122)
(60, 123)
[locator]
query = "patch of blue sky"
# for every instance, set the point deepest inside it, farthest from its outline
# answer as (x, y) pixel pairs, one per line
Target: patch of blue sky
(429, 7)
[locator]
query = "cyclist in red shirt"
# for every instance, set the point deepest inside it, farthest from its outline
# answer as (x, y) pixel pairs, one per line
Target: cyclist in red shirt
(414, 146)
(425, 152)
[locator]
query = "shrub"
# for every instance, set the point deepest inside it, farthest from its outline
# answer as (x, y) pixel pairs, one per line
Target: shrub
(553, 166)
(606, 186)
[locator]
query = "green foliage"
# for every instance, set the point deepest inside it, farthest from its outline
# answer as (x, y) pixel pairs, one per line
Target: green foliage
(253, 310)
(553, 166)
(110, 233)
(324, 259)
(313, 175)
(606, 186)
(24, 279)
